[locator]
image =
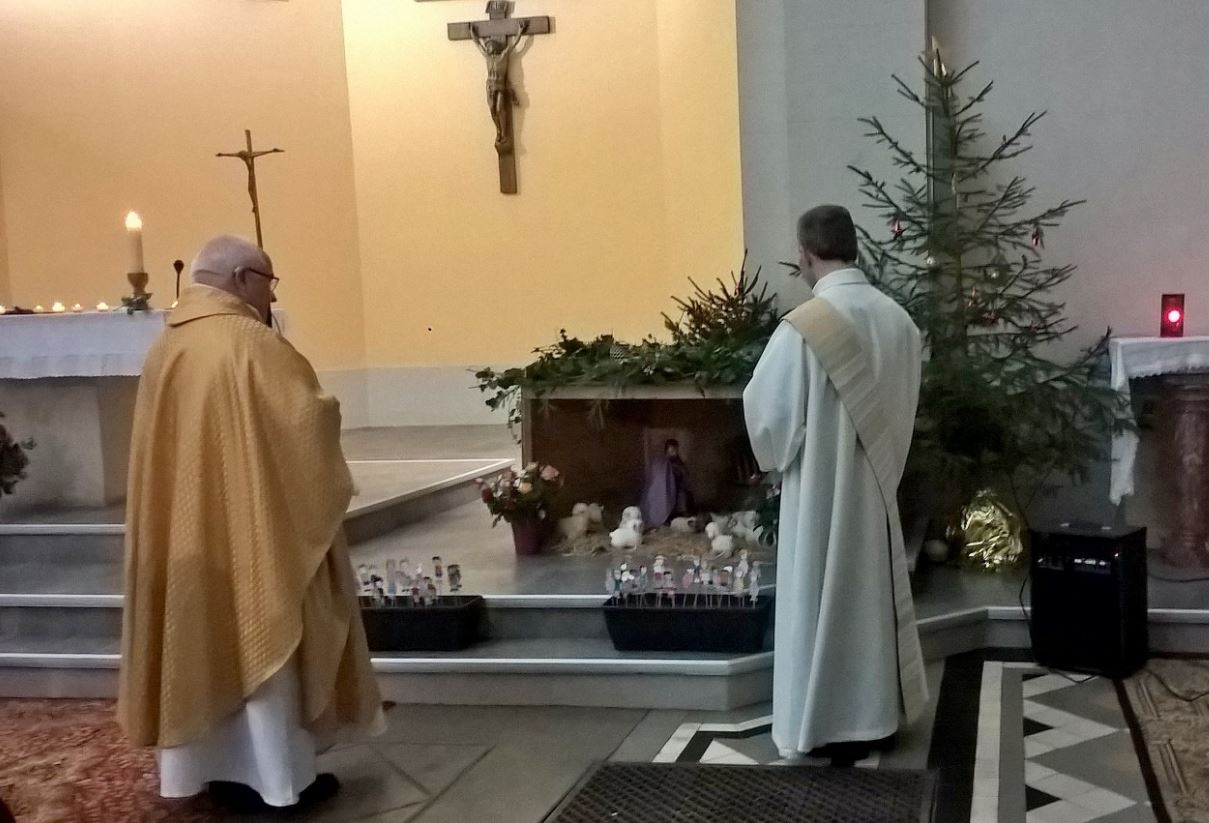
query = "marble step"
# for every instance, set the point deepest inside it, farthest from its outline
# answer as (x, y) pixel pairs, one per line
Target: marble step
(391, 494)
(498, 672)
(54, 617)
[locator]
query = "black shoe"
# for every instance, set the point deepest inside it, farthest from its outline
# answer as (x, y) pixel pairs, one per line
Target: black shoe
(236, 797)
(846, 755)
(325, 787)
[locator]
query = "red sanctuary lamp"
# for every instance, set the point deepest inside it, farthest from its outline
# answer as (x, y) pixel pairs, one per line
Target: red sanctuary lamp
(1171, 324)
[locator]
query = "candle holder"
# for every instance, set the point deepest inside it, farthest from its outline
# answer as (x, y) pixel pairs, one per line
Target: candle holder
(140, 300)
(138, 281)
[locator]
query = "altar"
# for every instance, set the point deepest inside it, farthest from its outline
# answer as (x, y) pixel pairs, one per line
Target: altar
(68, 381)
(1171, 460)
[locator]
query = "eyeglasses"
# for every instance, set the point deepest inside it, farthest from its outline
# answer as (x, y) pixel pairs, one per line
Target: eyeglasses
(273, 279)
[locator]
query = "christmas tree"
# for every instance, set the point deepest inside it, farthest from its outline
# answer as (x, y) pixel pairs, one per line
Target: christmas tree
(963, 252)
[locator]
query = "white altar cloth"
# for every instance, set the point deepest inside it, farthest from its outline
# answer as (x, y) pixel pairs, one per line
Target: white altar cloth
(1146, 357)
(90, 344)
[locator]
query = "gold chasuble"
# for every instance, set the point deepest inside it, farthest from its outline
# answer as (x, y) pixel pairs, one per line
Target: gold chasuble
(838, 349)
(235, 553)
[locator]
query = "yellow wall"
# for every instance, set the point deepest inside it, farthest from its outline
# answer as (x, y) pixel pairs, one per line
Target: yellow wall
(108, 105)
(628, 172)
(384, 216)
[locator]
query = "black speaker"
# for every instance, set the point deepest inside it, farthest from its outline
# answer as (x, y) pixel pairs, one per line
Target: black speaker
(1089, 599)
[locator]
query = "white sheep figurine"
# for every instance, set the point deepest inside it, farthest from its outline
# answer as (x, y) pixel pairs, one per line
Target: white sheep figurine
(686, 525)
(627, 536)
(721, 545)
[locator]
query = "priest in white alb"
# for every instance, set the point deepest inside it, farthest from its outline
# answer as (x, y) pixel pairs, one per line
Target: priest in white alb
(831, 407)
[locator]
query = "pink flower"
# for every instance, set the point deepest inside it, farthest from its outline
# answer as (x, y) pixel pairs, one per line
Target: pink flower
(549, 474)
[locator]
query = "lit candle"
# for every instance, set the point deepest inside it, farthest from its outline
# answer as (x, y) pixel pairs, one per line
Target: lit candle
(3, 310)
(102, 306)
(58, 307)
(39, 310)
(77, 308)
(134, 233)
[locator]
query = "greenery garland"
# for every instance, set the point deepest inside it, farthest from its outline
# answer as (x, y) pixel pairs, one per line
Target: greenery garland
(716, 340)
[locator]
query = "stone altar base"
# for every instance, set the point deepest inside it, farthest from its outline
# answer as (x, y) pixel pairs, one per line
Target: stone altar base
(82, 426)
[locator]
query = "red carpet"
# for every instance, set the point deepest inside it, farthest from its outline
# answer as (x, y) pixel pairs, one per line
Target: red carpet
(66, 760)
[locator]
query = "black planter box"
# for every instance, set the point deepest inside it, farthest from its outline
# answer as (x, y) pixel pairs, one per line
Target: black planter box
(649, 624)
(449, 625)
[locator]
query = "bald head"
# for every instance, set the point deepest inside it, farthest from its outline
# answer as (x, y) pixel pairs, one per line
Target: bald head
(238, 267)
(223, 255)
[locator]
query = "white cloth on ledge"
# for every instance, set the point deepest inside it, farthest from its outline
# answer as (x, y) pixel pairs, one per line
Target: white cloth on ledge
(1146, 357)
(93, 344)
(89, 344)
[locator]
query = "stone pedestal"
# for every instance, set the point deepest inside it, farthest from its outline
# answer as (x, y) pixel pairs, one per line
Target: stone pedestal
(82, 426)
(1186, 458)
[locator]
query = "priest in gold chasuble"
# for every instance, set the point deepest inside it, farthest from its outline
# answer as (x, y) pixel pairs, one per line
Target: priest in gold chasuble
(831, 406)
(243, 652)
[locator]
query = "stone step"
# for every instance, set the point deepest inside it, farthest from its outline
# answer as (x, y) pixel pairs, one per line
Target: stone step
(83, 548)
(55, 617)
(499, 672)
(582, 671)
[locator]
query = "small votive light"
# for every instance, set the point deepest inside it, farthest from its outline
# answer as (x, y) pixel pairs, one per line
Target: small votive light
(1171, 322)
(39, 309)
(3, 310)
(77, 308)
(58, 307)
(102, 306)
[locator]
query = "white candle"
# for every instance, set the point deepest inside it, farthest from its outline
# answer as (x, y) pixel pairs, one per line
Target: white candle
(102, 306)
(38, 309)
(77, 308)
(134, 233)
(58, 307)
(3, 310)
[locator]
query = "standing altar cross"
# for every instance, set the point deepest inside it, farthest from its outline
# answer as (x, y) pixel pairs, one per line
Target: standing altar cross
(249, 158)
(496, 39)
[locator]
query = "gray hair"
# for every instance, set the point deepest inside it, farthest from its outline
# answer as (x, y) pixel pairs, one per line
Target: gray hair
(224, 254)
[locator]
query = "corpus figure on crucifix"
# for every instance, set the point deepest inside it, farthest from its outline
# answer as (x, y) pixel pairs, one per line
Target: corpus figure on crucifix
(501, 97)
(248, 156)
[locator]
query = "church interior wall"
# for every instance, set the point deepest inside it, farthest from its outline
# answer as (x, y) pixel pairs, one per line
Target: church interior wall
(628, 174)
(111, 105)
(402, 264)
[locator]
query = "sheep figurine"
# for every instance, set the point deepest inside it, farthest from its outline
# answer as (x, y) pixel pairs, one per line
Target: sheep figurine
(576, 526)
(595, 516)
(685, 525)
(721, 545)
(627, 536)
(744, 525)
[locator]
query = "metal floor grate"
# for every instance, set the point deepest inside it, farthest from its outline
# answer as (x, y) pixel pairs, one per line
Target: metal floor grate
(696, 793)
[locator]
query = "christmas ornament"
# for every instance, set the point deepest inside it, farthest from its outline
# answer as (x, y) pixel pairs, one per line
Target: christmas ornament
(932, 263)
(896, 229)
(1038, 238)
(989, 532)
(998, 269)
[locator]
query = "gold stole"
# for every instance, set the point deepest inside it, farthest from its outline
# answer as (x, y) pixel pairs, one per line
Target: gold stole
(838, 347)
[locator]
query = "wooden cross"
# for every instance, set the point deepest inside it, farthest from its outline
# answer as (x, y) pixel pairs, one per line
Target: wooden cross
(496, 39)
(249, 158)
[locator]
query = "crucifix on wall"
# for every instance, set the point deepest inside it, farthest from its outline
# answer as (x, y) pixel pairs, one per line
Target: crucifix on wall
(497, 38)
(248, 156)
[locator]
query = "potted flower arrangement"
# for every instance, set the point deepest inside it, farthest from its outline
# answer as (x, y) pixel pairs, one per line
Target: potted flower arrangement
(13, 460)
(522, 499)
